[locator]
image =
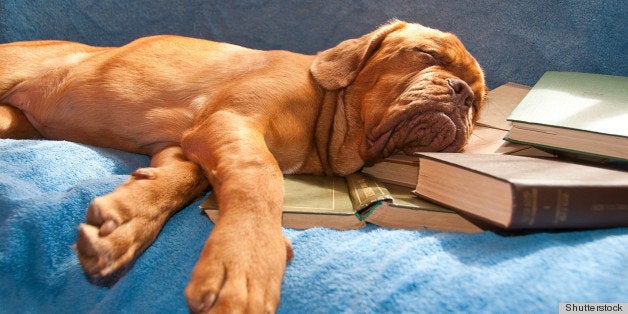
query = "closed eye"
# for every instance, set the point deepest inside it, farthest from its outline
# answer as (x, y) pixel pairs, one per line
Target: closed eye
(430, 54)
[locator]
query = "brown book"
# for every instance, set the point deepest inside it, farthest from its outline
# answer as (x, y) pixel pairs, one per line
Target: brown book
(500, 102)
(397, 169)
(492, 126)
(515, 192)
(349, 203)
(487, 140)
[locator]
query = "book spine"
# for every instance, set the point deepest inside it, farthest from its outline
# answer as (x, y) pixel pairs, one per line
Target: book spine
(569, 207)
(366, 193)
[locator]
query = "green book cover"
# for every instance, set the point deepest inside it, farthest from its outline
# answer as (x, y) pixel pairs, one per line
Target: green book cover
(366, 194)
(311, 194)
(316, 195)
(578, 113)
(349, 203)
(581, 101)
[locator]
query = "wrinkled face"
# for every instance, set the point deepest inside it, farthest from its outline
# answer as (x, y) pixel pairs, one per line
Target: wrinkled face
(419, 91)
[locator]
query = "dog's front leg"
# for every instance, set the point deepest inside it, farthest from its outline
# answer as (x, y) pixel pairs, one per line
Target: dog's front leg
(123, 223)
(242, 264)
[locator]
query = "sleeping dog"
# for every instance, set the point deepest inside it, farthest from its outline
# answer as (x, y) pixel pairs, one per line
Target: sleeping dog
(234, 118)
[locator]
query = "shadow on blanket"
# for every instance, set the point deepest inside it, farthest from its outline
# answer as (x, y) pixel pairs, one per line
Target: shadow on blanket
(45, 187)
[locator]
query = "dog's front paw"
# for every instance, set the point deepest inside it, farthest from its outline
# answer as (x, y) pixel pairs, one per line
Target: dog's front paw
(239, 271)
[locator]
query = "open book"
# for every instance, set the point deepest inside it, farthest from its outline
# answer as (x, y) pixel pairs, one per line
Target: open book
(349, 203)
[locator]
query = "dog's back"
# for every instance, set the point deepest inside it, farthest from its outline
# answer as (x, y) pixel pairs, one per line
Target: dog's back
(142, 95)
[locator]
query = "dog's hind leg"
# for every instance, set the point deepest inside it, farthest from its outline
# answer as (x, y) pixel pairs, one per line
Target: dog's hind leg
(14, 124)
(23, 61)
(123, 223)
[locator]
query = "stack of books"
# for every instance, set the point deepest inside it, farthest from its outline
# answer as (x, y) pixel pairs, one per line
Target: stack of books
(350, 202)
(583, 120)
(518, 171)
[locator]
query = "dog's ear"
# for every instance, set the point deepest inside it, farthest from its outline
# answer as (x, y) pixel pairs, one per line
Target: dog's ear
(337, 67)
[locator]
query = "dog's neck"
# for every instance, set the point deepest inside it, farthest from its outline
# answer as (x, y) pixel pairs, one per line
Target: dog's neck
(339, 135)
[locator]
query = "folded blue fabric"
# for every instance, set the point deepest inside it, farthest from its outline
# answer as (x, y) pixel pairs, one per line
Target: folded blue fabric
(45, 187)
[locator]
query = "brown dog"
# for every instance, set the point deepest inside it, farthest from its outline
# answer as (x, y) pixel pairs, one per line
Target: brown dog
(238, 117)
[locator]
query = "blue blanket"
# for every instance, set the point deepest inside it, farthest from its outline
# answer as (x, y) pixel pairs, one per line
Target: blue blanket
(45, 187)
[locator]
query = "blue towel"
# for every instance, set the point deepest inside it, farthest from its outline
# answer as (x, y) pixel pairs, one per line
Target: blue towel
(45, 187)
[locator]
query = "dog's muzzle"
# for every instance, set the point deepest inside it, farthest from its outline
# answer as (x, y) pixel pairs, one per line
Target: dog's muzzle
(433, 114)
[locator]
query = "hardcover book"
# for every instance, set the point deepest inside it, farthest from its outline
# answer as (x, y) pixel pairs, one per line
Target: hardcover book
(515, 192)
(397, 169)
(575, 112)
(500, 102)
(349, 203)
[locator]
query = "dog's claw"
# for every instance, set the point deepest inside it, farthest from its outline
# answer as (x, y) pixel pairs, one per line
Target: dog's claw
(85, 239)
(289, 250)
(97, 258)
(104, 264)
(87, 250)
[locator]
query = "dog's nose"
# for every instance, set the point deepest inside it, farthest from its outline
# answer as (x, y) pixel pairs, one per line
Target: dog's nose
(462, 93)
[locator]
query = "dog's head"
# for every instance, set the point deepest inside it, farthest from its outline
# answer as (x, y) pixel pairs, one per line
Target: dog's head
(415, 88)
